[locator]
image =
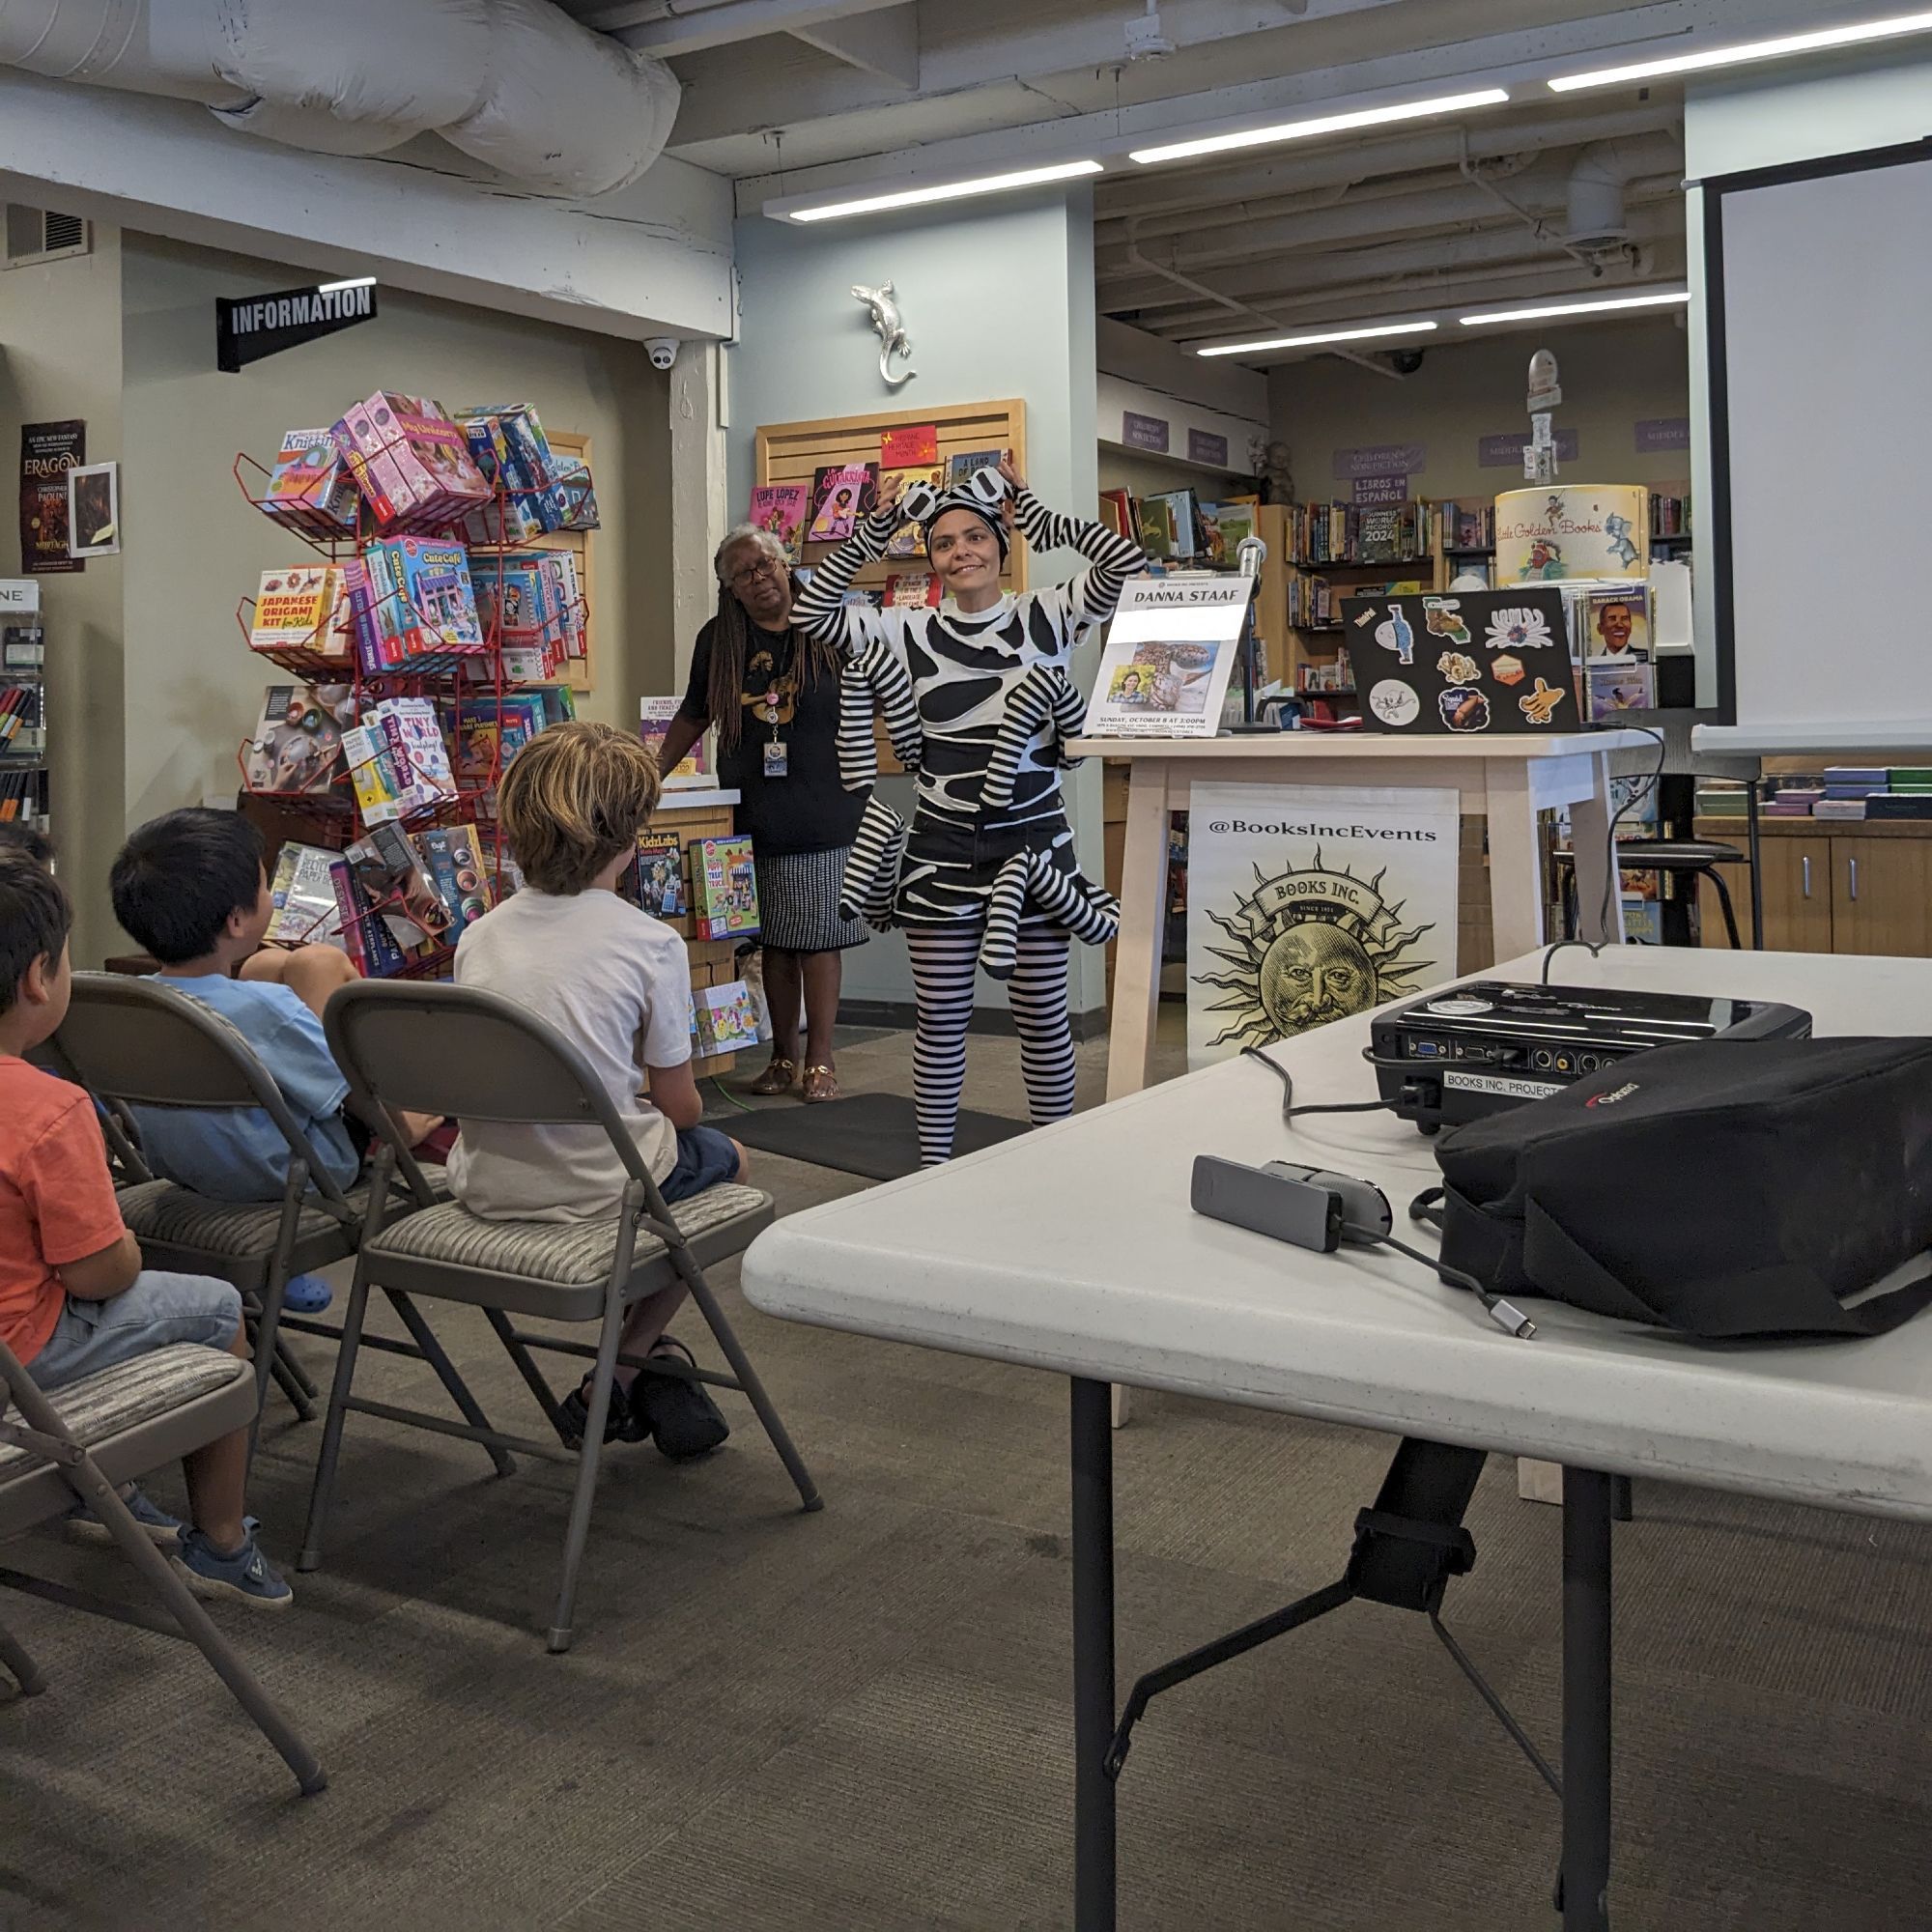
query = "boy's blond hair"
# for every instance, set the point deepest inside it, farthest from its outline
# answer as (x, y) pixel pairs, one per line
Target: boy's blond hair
(572, 800)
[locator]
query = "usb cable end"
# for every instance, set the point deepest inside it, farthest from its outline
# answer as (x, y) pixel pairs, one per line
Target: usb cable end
(1511, 1318)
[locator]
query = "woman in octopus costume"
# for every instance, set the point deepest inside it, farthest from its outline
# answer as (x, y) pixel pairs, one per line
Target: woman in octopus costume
(978, 703)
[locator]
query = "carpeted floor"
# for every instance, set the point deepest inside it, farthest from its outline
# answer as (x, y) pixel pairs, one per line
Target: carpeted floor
(858, 1721)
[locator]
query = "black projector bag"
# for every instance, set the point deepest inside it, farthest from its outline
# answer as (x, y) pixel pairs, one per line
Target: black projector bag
(1722, 1188)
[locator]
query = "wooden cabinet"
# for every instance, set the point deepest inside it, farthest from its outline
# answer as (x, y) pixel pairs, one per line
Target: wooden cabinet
(1830, 892)
(1880, 895)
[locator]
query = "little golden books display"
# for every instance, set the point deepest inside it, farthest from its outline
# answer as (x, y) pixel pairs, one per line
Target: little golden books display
(1462, 661)
(724, 888)
(1171, 652)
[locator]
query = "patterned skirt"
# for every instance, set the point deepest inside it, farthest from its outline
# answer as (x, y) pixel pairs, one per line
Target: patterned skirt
(798, 902)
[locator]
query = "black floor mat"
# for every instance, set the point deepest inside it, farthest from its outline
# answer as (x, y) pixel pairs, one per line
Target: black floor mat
(873, 1134)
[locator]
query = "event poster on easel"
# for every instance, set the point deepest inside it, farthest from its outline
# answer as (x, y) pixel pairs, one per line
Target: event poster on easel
(1171, 649)
(1309, 903)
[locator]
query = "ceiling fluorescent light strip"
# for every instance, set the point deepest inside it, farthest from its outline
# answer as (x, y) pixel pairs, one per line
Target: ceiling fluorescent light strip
(1354, 332)
(1326, 124)
(1556, 311)
(354, 282)
(1817, 41)
(916, 197)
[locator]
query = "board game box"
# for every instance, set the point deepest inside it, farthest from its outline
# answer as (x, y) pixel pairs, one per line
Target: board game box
(422, 604)
(411, 462)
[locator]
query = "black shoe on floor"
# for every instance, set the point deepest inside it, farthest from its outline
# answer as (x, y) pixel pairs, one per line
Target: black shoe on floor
(679, 1414)
(621, 1424)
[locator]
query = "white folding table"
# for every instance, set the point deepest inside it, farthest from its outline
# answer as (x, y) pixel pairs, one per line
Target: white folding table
(1074, 1249)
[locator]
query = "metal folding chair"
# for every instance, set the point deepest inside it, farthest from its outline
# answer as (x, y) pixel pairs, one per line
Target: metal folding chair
(478, 1057)
(130, 1040)
(105, 1429)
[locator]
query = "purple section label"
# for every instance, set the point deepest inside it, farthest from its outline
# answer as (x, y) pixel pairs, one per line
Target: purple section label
(1381, 459)
(1381, 490)
(1209, 449)
(1504, 449)
(1139, 432)
(1663, 433)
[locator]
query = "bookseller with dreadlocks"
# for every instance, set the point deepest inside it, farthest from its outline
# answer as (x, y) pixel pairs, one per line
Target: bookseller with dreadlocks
(773, 692)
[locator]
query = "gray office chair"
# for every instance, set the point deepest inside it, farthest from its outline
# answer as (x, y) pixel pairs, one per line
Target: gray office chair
(445, 1049)
(139, 1041)
(107, 1429)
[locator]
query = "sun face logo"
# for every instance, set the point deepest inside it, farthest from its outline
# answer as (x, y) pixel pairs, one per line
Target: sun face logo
(1309, 947)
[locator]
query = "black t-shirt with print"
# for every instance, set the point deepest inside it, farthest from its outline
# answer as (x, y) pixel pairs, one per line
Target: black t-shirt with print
(808, 810)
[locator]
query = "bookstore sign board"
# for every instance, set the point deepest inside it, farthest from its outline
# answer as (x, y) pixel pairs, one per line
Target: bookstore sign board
(1310, 903)
(256, 327)
(1170, 652)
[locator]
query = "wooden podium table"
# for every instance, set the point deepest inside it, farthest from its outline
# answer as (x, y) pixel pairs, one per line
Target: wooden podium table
(1506, 780)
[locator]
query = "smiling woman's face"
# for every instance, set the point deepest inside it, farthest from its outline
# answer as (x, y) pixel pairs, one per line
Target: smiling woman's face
(965, 552)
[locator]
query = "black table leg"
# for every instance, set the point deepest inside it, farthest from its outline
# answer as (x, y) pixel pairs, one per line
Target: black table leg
(1586, 1700)
(1093, 1655)
(1757, 867)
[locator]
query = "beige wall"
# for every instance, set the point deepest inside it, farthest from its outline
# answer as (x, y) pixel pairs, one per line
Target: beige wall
(196, 547)
(1614, 375)
(60, 356)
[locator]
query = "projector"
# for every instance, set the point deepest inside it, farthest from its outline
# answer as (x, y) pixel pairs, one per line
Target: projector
(1476, 1049)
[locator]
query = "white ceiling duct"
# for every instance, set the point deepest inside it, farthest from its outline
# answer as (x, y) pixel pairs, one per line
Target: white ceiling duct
(515, 83)
(1598, 178)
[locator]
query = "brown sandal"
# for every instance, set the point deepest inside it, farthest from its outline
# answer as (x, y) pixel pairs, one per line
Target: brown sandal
(821, 1083)
(780, 1077)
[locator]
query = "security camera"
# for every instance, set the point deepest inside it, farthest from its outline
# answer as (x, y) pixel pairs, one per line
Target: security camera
(1405, 361)
(662, 349)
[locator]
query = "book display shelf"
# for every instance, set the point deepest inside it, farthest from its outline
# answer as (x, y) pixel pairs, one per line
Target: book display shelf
(429, 633)
(24, 798)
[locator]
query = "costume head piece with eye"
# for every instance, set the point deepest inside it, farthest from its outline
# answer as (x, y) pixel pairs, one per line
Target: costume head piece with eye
(981, 494)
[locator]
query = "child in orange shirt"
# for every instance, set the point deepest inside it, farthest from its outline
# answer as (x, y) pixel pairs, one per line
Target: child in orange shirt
(73, 1294)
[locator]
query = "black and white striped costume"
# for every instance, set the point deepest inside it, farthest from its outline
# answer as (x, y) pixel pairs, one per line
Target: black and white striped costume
(985, 872)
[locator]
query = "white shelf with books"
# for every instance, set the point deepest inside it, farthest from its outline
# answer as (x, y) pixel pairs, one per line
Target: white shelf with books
(24, 795)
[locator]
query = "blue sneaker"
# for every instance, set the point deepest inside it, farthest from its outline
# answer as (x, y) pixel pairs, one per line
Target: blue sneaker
(307, 1294)
(245, 1575)
(164, 1530)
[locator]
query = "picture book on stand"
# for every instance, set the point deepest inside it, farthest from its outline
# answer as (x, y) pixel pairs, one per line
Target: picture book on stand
(654, 718)
(660, 875)
(724, 887)
(727, 1016)
(841, 494)
(782, 510)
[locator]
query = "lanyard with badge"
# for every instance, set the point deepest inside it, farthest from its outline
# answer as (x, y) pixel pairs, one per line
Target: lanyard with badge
(778, 756)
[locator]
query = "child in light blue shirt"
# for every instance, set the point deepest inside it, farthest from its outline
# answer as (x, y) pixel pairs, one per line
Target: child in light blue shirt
(191, 889)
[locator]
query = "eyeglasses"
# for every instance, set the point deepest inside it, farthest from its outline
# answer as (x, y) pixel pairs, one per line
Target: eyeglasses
(766, 566)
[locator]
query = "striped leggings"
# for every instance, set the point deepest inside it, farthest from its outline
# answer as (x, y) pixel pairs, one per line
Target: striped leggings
(944, 959)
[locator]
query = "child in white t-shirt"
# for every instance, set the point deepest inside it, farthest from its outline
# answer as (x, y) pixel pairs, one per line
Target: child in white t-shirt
(617, 983)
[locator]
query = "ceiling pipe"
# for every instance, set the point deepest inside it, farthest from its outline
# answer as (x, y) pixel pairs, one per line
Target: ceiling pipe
(1166, 191)
(1237, 307)
(1390, 217)
(363, 76)
(1375, 267)
(1598, 177)
(1431, 296)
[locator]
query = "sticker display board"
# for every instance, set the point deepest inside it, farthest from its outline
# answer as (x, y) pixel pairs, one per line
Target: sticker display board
(1171, 652)
(1464, 660)
(1310, 903)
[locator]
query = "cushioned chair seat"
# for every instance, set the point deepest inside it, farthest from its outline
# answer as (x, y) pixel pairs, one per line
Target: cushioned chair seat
(133, 1418)
(158, 1210)
(568, 1254)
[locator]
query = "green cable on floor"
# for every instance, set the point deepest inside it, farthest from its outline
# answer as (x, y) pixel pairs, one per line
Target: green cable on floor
(726, 1094)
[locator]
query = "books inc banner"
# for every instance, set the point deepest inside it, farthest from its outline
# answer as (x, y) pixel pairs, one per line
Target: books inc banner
(1309, 903)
